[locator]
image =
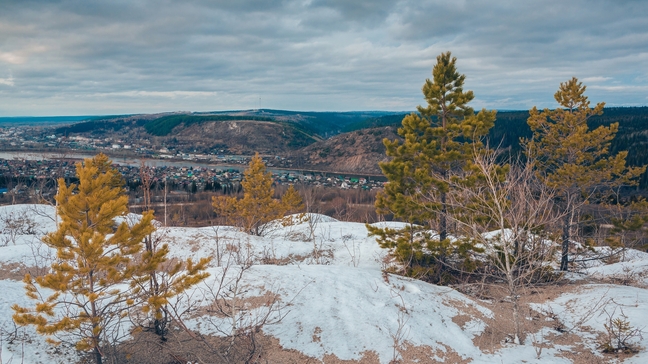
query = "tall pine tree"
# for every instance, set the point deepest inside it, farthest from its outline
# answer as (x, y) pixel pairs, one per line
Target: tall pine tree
(573, 160)
(437, 146)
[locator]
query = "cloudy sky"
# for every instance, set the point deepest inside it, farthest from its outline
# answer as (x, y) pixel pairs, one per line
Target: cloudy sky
(80, 57)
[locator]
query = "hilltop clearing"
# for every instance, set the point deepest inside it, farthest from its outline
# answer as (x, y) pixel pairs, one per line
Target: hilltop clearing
(316, 293)
(240, 137)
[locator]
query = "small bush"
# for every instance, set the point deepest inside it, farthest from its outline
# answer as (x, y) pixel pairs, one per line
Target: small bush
(620, 335)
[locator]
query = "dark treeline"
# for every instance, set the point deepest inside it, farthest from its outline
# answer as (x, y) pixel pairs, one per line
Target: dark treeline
(511, 126)
(101, 125)
(189, 203)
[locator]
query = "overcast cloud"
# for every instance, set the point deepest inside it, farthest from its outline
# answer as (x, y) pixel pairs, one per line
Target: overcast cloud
(78, 57)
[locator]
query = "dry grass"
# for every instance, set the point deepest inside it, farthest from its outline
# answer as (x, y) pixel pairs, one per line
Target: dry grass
(17, 271)
(182, 347)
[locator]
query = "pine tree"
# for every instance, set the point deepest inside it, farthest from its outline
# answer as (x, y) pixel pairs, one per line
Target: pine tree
(159, 281)
(292, 201)
(104, 165)
(94, 260)
(258, 206)
(437, 146)
(573, 160)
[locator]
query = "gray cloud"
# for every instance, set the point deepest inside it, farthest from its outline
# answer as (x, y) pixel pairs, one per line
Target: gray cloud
(80, 57)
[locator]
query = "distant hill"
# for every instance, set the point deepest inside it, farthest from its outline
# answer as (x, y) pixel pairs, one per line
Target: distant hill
(42, 120)
(357, 151)
(99, 125)
(323, 124)
(378, 121)
(241, 136)
(321, 139)
(164, 125)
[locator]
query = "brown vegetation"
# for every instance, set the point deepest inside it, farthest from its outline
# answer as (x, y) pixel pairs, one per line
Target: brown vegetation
(354, 152)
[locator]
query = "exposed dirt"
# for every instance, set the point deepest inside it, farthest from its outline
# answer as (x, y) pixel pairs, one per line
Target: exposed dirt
(183, 346)
(498, 331)
(357, 152)
(17, 271)
(241, 137)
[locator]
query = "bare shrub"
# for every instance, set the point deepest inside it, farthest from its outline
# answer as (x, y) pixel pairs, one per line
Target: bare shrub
(620, 335)
(16, 223)
(353, 248)
(401, 334)
(235, 309)
(510, 201)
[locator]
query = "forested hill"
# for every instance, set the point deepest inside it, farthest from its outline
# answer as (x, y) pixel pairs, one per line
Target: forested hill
(164, 125)
(321, 125)
(512, 125)
(632, 136)
(633, 129)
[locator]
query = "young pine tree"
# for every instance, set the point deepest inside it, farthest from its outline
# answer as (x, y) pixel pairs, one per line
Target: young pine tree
(95, 257)
(573, 160)
(437, 146)
(159, 281)
(257, 207)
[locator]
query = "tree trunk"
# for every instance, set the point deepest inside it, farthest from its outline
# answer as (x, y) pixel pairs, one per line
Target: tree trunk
(443, 219)
(516, 319)
(564, 261)
(97, 355)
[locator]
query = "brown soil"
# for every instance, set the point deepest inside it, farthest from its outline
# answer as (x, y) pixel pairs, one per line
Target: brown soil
(17, 271)
(183, 346)
(499, 329)
(356, 152)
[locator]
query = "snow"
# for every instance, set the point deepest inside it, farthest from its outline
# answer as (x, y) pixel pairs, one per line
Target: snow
(588, 310)
(358, 303)
(333, 297)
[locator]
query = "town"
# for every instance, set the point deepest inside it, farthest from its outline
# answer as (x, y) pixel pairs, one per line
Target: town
(40, 140)
(36, 156)
(186, 190)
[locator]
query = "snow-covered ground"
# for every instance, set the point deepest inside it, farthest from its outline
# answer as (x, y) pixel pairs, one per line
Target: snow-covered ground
(329, 295)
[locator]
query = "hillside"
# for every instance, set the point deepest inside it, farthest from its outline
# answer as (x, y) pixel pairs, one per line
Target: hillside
(511, 126)
(319, 139)
(353, 152)
(275, 132)
(165, 125)
(239, 137)
(317, 291)
(378, 121)
(229, 134)
(319, 124)
(323, 124)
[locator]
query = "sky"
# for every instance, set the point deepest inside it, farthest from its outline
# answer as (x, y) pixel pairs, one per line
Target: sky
(79, 57)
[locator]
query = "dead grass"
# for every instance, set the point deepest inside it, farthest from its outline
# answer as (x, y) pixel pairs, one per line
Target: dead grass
(500, 328)
(426, 354)
(17, 271)
(183, 347)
